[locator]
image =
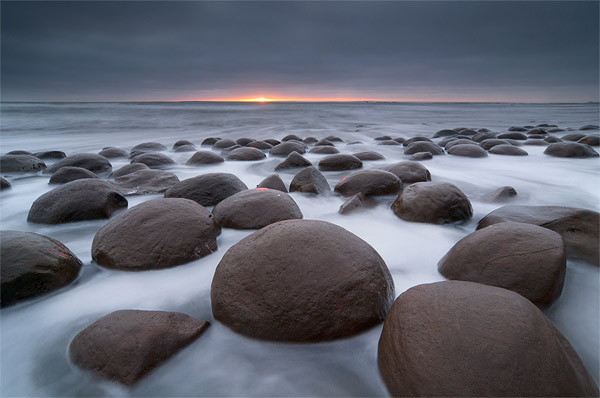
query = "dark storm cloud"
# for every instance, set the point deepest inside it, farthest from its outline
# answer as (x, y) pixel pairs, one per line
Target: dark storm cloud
(180, 50)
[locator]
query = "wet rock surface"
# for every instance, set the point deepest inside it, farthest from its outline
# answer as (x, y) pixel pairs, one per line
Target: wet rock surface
(92, 162)
(369, 182)
(145, 181)
(68, 174)
(21, 163)
(207, 189)
(310, 180)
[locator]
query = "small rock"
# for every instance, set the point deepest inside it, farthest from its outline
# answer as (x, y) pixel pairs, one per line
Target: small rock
(369, 155)
(416, 139)
(310, 180)
(430, 147)
(68, 174)
(148, 147)
(468, 150)
(112, 152)
(204, 157)
(421, 156)
(127, 169)
(444, 133)
(507, 149)
(185, 148)
(293, 160)
(339, 162)
(224, 143)
(210, 141)
(409, 172)
(260, 145)
(291, 137)
(182, 143)
(246, 154)
(285, 148)
(324, 150)
(273, 182)
(589, 127)
(492, 142)
(154, 160)
(143, 182)
(4, 184)
(50, 155)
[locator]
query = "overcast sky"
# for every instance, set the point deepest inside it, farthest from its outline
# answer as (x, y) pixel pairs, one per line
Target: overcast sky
(467, 50)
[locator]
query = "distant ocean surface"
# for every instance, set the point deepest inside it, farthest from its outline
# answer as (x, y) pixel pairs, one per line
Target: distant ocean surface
(35, 335)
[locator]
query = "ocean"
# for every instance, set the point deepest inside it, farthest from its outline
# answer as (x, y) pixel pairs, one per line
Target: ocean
(35, 334)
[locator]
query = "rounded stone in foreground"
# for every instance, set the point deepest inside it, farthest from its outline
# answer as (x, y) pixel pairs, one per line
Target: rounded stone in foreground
(125, 345)
(507, 149)
(459, 339)
(285, 148)
(468, 150)
(207, 189)
(310, 180)
(301, 281)
(256, 208)
(90, 161)
(423, 146)
(409, 172)
(21, 164)
(204, 157)
(33, 265)
(524, 258)
(273, 182)
(571, 150)
(246, 154)
(340, 162)
(79, 200)
(156, 234)
(68, 174)
(433, 202)
(369, 182)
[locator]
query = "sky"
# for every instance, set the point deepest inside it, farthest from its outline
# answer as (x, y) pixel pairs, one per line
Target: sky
(514, 51)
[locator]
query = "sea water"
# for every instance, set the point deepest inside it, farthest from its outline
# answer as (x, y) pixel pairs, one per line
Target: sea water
(35, 334)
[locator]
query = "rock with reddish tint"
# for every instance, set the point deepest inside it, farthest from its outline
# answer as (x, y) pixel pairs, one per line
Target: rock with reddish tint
(571, 150)
(204, 157)
(354, 204)
(146, 182)
(468, 150)
(50, 155)
(495, 331)
(80, 200)
(409, 172)
(301, 281)
(324, 150)
(578, 227)
(125, 345)
(33, 265)
(369, 182)
(293, 161)
(260, 145)
(591, 140)
(285, 148)
(433, 202)
(112, 152)
(255, 209)
(95, 163)
(127, 169)
(524, 258)
(273, 182)
(508, 150)
(340, 162)
(310, 180)
(207, 189)
(156, 234)
(246, 154)
(68, 174)
(4, 184)
(21, 164)
(422, 146)
(369, 155)
(154, 160)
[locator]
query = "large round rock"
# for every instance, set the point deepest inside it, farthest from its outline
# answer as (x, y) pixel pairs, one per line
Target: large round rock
(433, 202)
(246, 154)
(80, 200)
(571, 150)
(207, 189)
(89, 161)
(21, 163)
(409, 172)
(468, 150)
(156, 234)
(256, 208)
(524, 258)
(154, 160)
(369, 182)
(579, 228)
(144, 181)
(125, 345)
(301, 281)
(285, 148)
(33, 265)
(204, 157)
(465, 339)
(340, 162)
(68, 174)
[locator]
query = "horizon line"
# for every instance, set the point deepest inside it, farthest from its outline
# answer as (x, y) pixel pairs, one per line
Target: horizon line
(266, 101)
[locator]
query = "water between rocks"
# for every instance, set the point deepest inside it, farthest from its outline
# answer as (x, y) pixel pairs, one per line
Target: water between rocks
(35, 335)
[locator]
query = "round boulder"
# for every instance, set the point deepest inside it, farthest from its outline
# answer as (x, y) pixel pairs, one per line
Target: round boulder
(246, 154)
(145, 182)
(285, 148)
(112, 152)
(571, 150)
(210, 141)
(125, 345)
(591, 140)
(260, 145)
(207, 189)
(185, 148)
(204, 157)
(182, 143)
(369, 155)
(301, 281)
(310, 180)
(4, 184)
(293, 161)
(256, 208)
(507, 149)
(148, 147)
(90, 161)
(291, 137)
(492, 142)
(415, 139)
(513, 135)
(421, 156)
(273, 182)
(458, 141)
(340, 162)
(324, 150)
(445, 133)
(409, 172)
(127, 169)
(50, 155)
(21, 164)
(156, 234)
(467, 150)
(87, 199)
(33, 265)
(369, 182)
(224, 143)
(524, 258)
(68, 174)
(153, 160)
(465, 339)
(433, 202)
(423, 146)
